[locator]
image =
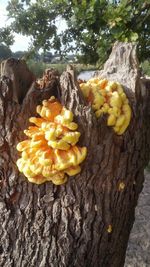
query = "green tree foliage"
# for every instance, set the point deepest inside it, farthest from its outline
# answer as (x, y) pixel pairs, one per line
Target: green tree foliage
(92, 25)
(36, 20)
(5, 52)
(6, 36)
(146, 67)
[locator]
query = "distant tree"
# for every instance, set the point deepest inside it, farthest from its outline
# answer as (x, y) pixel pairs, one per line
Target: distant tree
(5, 52)
(19, 54)
(47, 56)
(93, 26)
(6, 36)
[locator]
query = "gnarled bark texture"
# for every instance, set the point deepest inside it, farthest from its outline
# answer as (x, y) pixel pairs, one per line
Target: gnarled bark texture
(68, 225)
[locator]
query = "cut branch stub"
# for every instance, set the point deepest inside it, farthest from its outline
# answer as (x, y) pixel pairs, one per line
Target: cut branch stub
(122, 66)
(87, 221)
(20, 77)
(73, 99)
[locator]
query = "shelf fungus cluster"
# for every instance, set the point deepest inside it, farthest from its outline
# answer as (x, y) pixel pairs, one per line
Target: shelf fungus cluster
(108, 97)
(50, 153)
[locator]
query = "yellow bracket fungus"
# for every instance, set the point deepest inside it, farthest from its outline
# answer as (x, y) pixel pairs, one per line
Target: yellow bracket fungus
(109, 229)
(108, 97)
(121, 186)
(51, 153)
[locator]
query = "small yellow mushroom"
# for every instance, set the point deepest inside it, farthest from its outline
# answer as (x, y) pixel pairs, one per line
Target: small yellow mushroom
(32, 130)
(39, 179)
(38, 137)
(21, 164)
(98, 100)
(124, 127)
(102, 83)
(36, 121)
(58, 180)
(50, 109)
(47, 170)
(45, 161)
(109, 229)
(71, 125)
(67, 115)
(28, 172)
(98, 113)
(81, 153)
(116, 129)
(71, 137)
(50, 134)
(38, 109)
(120, 120)
(93, 80)
(35, 165)
(65, 119)
(38, 144)
(103, 92)
(105, 108)
(111, 86)
(115, 100)
(61, 144)
(73, 170)
(85, 89)
(119, 88)
(116, 111)
(111, 120)
(23, 145)
(123, 96)
(72, 157)
(127, 113)
(121, 186)
(64, 159)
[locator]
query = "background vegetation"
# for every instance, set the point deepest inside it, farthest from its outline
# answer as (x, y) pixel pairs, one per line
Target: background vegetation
(92, 26)
(39, 67)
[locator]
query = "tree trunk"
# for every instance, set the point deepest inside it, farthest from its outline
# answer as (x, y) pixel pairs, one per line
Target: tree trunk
(87, 221)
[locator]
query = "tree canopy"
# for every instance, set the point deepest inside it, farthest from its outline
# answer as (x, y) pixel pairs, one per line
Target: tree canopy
(5, 52)
(6, 36)
(92, 25)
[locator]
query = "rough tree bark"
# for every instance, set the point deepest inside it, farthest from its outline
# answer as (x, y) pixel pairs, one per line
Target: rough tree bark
(68, 225)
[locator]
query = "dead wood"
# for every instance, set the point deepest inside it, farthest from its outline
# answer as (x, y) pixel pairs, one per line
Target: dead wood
(67, 225)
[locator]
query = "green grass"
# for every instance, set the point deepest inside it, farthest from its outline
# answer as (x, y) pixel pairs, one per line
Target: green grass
(146, 67)
(39, 67)
(148, 167)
